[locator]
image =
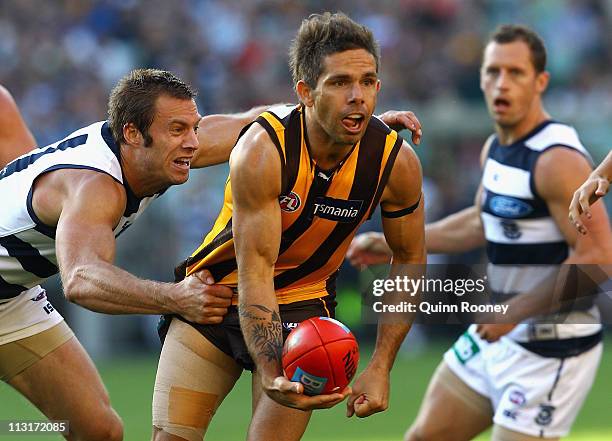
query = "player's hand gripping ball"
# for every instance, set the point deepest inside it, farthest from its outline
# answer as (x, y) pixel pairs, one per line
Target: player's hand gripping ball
(322, 354)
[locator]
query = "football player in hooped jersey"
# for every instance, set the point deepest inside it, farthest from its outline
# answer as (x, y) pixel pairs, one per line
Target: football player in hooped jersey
(63, 205)
(527, 380)
(302, 180)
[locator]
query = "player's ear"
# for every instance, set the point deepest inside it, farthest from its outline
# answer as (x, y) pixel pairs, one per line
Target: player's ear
(132, 135)
(305, 93)
(378, 85)
(542, 81)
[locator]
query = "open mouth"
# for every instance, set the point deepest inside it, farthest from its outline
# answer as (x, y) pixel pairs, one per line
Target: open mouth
(353, 122)
(501, 104)
(183, 163)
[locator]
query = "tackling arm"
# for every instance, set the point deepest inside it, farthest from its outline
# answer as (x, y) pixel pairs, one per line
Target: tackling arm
(217, 134)
(86, 206)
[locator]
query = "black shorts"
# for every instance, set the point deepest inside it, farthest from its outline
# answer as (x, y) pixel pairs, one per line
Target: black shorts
(227, 336)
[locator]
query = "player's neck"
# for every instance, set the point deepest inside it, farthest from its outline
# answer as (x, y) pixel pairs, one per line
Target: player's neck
(323, 150)
(142, 182)
(510, 134)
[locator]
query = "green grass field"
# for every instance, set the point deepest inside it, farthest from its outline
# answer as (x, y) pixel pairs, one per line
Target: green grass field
(130, 384)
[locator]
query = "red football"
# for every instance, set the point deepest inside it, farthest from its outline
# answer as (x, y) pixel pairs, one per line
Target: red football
(322, 354)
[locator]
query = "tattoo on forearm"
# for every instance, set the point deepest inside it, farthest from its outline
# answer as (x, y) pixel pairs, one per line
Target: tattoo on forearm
(262, 331)
(249, 315)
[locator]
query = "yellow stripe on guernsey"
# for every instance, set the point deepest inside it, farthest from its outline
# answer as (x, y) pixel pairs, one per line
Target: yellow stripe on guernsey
(321, 209)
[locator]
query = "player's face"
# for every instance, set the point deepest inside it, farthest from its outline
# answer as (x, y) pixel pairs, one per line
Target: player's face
(174, 134)
(510, 83)
(345, 96)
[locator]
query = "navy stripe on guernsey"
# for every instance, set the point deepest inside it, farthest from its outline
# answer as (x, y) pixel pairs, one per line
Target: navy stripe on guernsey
(133, 202)
(518, 223)
(9, 290)
(22, 163)
(28, 256)
(40, 226)
(527, 254)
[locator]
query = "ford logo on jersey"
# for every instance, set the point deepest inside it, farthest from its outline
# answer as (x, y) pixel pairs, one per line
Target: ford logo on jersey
(338, 210)
(505, 206)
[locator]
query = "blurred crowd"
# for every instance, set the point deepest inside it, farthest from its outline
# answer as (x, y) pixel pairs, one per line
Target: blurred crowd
(60, 59)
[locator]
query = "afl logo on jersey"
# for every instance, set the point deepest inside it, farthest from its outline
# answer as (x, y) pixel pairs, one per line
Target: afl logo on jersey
(508, 207)
(290, 202)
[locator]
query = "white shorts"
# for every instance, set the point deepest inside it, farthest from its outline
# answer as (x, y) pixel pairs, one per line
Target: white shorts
(27, 314)
(530, 394)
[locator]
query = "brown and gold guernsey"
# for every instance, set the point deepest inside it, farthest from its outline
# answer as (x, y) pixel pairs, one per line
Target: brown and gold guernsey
(321, 209)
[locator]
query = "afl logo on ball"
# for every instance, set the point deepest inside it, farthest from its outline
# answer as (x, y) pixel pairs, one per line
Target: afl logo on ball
(289, 202)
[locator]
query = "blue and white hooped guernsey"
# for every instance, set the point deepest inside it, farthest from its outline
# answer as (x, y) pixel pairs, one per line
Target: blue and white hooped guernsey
(524, 242)
(27, 246)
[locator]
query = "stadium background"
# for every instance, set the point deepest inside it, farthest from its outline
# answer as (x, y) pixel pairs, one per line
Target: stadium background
(60, 59)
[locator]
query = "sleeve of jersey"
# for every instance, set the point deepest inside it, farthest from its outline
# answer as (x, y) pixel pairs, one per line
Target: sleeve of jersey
(264, 120)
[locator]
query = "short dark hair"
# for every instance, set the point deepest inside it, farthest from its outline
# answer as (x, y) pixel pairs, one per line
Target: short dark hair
(509, 33)
(321, 35)
(132, 100)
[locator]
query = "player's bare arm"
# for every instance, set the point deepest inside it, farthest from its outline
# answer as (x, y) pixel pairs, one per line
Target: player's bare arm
(595, 187)
(217, 134)
(14, 133)
(406, 238)
(86, 206)
(558, 173)
(255, 176)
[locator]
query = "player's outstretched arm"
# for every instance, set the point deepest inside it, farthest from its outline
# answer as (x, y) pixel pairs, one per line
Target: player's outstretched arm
(15, 137)
(255, 179)
(405, 235)
(85, 206)
(558, 173)
(595, 187)
(217, 134)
